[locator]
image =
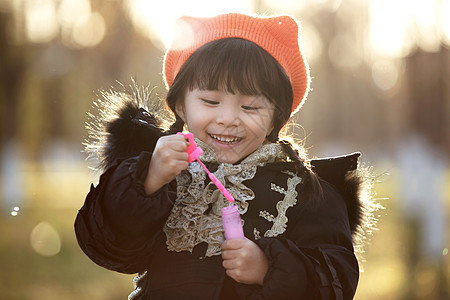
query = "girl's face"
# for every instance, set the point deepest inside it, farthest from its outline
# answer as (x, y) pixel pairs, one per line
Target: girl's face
(233, 125)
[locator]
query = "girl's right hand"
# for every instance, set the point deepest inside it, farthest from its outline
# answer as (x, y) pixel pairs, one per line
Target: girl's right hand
(168, 160)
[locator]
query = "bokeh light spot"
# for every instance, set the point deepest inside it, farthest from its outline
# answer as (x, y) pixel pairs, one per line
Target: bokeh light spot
(71, 12)
(89, 32)
(40, 18)
(426, 25)
(45, 240)
(344, 52)
(385, 74)
(389, 28)
(445, 21)
(311, 42)
(15, 211)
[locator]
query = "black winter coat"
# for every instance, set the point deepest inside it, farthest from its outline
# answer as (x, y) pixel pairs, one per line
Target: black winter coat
(120, 228)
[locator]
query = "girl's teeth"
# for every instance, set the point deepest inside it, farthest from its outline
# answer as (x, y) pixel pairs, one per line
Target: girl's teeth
(225, 140)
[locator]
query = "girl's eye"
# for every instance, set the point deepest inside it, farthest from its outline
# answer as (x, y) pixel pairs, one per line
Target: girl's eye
(210, 102)
(251, 108)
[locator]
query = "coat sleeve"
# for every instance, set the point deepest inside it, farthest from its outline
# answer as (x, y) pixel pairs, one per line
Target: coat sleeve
(119, 224)
(314, 259)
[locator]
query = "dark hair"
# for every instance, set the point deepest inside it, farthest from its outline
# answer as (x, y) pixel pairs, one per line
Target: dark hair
(239, 65)
(235, 65)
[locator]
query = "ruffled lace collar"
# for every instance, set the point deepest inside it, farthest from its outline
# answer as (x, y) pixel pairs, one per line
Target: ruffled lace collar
(196, 215)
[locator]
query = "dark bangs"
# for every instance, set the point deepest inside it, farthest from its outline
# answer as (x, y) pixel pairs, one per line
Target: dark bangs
(237, 66)
(232, 65)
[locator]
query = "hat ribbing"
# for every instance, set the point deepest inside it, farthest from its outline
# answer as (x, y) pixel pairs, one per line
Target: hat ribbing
(277, 35)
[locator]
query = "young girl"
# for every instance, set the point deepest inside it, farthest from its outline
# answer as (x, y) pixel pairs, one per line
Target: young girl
(234, 81)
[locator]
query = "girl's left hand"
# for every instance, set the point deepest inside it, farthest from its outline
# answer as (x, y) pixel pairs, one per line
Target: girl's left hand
(244, 261)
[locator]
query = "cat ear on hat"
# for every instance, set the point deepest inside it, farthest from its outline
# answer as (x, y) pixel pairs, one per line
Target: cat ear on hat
(285, 30)
(284, 46)
(184, 33)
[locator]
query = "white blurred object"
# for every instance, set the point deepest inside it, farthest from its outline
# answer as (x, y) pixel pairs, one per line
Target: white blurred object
(422, 172)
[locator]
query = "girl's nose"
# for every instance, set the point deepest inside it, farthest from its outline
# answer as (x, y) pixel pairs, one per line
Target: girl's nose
(228, 116)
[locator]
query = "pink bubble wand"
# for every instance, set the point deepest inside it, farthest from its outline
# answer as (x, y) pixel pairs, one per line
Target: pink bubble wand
(231, 218)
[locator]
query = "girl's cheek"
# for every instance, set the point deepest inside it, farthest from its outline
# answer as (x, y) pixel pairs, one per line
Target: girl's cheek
(261, 120)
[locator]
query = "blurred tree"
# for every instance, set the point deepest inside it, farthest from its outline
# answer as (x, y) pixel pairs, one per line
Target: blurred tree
(12, 70)
(428, 81)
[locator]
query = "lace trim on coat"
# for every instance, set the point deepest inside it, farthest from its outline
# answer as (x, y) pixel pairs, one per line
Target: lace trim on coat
(137, 289)
(290, 199)
(196, 215)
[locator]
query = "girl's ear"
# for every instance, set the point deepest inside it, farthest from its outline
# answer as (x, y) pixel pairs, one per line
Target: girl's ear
(179, 109)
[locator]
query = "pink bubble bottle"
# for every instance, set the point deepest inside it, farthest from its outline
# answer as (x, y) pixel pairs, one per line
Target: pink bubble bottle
(232, 223)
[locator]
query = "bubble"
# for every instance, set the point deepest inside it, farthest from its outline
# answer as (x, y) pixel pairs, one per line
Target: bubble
(445, 252)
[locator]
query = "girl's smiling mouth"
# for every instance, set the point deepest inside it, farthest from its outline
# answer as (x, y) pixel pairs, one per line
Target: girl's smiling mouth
(225, 139)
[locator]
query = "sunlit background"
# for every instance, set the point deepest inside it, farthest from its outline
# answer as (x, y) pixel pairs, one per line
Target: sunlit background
(381, 85)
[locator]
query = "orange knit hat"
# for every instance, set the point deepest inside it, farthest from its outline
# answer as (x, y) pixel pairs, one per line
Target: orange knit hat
(277, 35)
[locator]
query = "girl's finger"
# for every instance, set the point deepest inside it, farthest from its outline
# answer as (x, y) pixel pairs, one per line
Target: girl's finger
(178, 156)
(228, 264)
(231, 264)
(179, 145)
(229, 254)
(169, 154)
(236, 274)
(233, 244)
